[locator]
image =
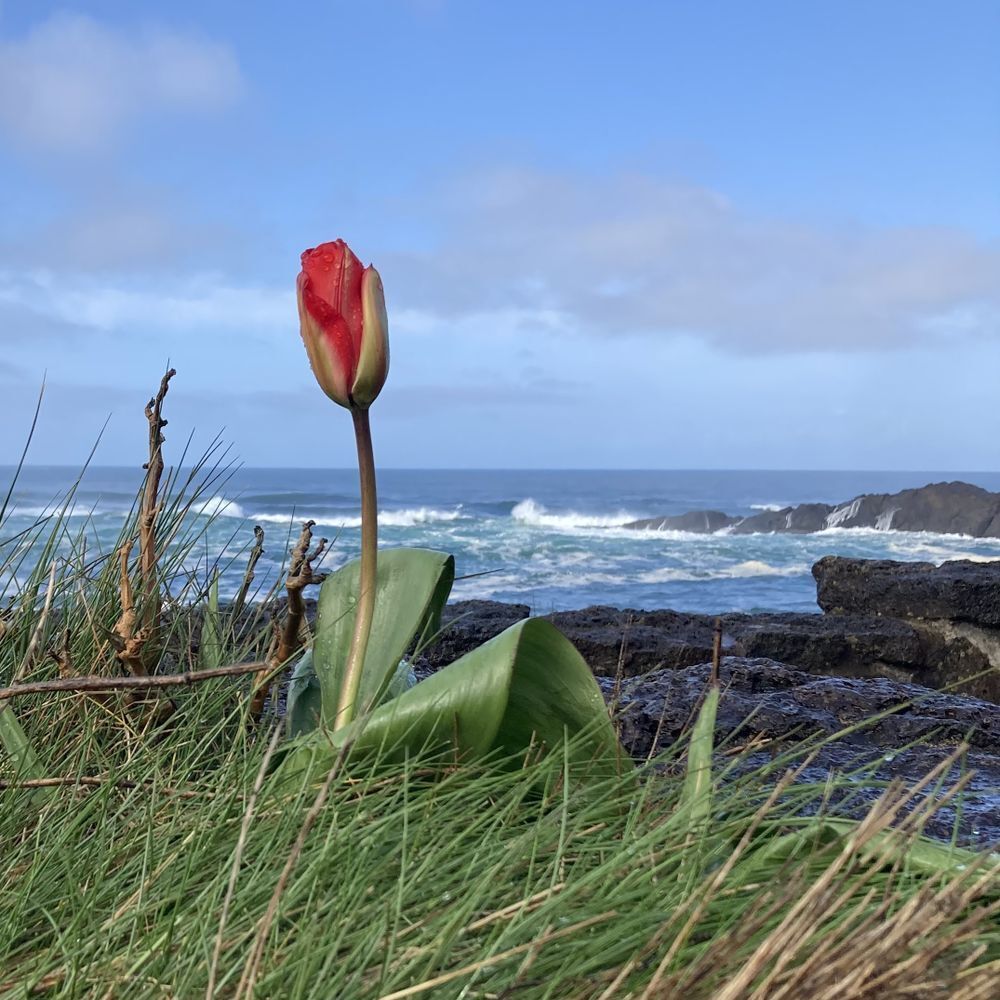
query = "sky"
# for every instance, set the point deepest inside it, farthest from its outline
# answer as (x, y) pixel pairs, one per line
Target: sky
(633, 235)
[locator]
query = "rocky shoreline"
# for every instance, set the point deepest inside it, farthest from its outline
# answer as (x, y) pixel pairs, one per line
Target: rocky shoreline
(891, 635)
(945, 508)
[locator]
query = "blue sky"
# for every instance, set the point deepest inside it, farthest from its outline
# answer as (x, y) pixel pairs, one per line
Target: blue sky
(655, 235)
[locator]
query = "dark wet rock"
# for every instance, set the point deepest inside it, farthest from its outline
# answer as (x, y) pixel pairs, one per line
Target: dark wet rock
(800, 520)
(771, 703)
(868, 646)
(947, 508)
(960, 591)
(699, 521)
(466, 625)
(842, 645)
(640, 640)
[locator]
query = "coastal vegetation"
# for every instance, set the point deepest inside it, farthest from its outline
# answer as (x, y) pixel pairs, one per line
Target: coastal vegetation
(177, 821)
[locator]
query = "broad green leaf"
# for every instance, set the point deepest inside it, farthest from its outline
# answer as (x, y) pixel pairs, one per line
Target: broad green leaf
(825, 837)
(304, 699)
(210, 653)
(412, 586)
(526, 689)
(696, 795)
(19, 749)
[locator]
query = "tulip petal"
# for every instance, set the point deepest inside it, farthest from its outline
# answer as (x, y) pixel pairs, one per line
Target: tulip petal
(335, 275)
(328, 344)
(373, 360)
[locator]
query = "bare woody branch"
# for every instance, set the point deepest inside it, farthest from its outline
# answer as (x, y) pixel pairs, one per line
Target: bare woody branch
(104, 684)
(300, 576)
(255, 553)
(149, 512)
(127, 639)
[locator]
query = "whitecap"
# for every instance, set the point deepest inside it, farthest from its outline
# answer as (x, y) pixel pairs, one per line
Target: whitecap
(408, 517)
(535, 514)
(218, 507)
(738, 571)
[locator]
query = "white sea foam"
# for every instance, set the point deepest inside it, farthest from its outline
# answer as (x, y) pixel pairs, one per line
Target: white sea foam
(769, 506)
(884, 521)
(843, 513)
(407, 518)
(38, 512)
(903, 537)
(738, 571)
(533, 513)
(218, 506)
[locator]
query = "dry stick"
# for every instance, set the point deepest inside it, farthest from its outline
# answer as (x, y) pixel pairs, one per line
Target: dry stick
(255, 553)
(94, 782)
(248, 815)
(127, 639)
(149, 511)
(130, 683)
(716, 653)
(300, 576)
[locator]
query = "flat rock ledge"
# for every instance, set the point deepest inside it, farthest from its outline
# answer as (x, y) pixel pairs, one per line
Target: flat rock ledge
(771, 704)
(633, 642)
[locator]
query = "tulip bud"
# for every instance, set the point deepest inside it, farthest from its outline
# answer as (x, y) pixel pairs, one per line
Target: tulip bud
(343, 323)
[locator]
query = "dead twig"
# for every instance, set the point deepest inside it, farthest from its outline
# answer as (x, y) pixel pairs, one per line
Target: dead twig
(713, 678)
(149, 512)
(300, 576)
(127, 639)
(95, 782)
(255, 553)
(90, 684)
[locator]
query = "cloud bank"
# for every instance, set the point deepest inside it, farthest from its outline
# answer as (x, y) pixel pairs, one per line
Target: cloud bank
(632, 254)
(71, 83)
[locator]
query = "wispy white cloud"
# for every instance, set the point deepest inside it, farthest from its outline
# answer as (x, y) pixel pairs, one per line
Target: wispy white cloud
(71, 82)
(633, 254)
(191, 305)
(525, 255)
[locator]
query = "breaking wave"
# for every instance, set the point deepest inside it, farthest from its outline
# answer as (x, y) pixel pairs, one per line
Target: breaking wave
(408, 517)
(535, 514)
(738, 571)
(218, 507)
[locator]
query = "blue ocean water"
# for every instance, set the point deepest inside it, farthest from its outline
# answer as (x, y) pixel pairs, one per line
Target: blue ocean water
(551, 539)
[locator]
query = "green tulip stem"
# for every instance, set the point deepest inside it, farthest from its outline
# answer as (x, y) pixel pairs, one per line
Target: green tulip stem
(346, 708)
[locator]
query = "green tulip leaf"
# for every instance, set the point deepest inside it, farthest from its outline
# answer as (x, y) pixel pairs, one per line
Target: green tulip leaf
(412, 586)
(305, 702)
(528, 689)
(18, 747)
(210, 654)
(696, 795)
(818, 838)
(302, 713)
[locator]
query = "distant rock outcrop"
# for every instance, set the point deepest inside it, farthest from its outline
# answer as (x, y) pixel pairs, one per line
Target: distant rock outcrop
(945, 508)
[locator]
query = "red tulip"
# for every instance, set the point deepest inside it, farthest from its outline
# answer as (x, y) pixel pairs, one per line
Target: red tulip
(343, 323)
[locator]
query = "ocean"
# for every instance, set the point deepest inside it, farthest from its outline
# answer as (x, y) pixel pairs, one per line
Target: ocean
(550, 539)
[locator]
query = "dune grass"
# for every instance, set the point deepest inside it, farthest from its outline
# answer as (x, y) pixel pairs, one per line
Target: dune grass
(146, 854)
